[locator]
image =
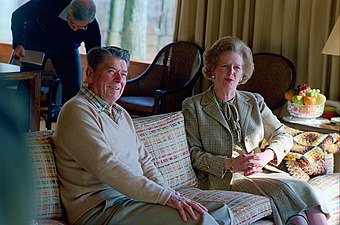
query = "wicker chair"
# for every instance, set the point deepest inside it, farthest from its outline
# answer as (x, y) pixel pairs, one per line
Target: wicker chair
(273, 76)
(163, 86)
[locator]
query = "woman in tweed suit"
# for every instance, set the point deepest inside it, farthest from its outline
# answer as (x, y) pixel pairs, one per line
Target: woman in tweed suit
(225, 128)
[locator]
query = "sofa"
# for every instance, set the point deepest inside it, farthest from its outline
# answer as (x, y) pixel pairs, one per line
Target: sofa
(311, 159)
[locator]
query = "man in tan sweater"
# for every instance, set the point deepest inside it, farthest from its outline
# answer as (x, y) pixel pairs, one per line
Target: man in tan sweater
(106, 174)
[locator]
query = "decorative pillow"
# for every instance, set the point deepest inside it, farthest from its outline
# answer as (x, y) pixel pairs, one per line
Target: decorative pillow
(164, 137)
(308, 156)
(47, 198)
(246, 208)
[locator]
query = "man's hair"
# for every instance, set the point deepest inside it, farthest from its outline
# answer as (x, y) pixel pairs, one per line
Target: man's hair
(82, 10)
(97, 54)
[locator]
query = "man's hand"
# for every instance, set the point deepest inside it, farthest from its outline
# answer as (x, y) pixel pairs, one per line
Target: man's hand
(182, 204)
(19, 52)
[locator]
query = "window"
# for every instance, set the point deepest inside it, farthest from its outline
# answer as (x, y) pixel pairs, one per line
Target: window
(141, 26)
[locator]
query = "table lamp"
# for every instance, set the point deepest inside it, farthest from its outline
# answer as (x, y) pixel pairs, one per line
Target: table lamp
(332, 46)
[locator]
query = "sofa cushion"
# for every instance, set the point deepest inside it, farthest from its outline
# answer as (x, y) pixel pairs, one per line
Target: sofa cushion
(164, 137)
(246, 208)
(47, 199)
(335, 214)
(264, 222)
(327, 188)
(49, 222)
(329, 185)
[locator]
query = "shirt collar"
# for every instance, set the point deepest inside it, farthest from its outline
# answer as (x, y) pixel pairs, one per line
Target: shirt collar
(220, 101)
(63, 14)
(101, 105)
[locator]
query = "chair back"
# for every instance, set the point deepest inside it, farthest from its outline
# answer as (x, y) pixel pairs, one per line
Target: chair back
(180, 62)
(167, 81)
(174, 66)
(274, 75)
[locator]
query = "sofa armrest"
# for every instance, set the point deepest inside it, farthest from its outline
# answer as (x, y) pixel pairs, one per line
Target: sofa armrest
(337, 162)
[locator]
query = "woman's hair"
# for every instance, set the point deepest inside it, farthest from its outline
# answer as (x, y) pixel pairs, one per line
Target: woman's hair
(228, 44)
(82, 10)
(97, 55)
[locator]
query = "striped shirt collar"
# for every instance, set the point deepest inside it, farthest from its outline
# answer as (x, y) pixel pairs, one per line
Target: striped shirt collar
(101, 105)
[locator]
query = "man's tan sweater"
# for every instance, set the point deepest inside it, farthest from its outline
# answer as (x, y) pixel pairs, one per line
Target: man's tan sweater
(99, 159)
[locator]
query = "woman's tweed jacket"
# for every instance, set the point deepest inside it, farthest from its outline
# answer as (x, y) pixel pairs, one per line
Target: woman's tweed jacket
(210, 140)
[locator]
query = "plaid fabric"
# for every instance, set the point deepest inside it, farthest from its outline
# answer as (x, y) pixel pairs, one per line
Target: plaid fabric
(49, 222)
(264, 222)
(327, 187)
(335, 216)
(47, 199)
(115, 114)
(247, 208)
(164, 130)
(165, 140)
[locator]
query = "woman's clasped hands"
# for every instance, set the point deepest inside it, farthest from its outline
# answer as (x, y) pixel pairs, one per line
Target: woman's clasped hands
(250, 163)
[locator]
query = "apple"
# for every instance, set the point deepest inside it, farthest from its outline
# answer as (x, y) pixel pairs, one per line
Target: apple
(297, 99)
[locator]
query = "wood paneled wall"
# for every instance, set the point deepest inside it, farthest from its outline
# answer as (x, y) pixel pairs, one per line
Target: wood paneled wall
(135, 68)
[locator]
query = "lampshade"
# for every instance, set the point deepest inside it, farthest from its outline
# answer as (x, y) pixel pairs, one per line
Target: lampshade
(332, 46)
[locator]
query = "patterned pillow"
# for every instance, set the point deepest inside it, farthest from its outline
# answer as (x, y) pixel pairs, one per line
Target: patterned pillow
(246, 208)
(47, 199)
(164, 137)
(309, 154)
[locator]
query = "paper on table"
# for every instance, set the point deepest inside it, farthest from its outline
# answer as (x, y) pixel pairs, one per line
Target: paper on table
(316, 121)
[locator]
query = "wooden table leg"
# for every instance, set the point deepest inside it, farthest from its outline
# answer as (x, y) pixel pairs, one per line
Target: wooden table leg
(35, 102)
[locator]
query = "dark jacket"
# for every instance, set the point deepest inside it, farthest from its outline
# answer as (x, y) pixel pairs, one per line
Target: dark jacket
(37, 23)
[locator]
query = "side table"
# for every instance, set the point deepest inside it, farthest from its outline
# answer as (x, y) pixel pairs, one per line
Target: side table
(320, 125)
(13, 72)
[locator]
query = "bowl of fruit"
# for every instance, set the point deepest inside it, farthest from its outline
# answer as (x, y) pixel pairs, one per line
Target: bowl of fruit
(305, 102)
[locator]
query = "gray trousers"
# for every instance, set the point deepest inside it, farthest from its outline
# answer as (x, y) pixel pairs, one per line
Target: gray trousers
(130, 212)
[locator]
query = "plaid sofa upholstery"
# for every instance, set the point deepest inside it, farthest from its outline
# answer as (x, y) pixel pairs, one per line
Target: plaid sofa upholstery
(164, 137)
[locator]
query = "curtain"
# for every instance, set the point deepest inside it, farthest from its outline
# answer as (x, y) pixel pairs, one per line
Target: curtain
(296, 29)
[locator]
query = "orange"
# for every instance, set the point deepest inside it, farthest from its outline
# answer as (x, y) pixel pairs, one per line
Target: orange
(309, 100)
(289, 95)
